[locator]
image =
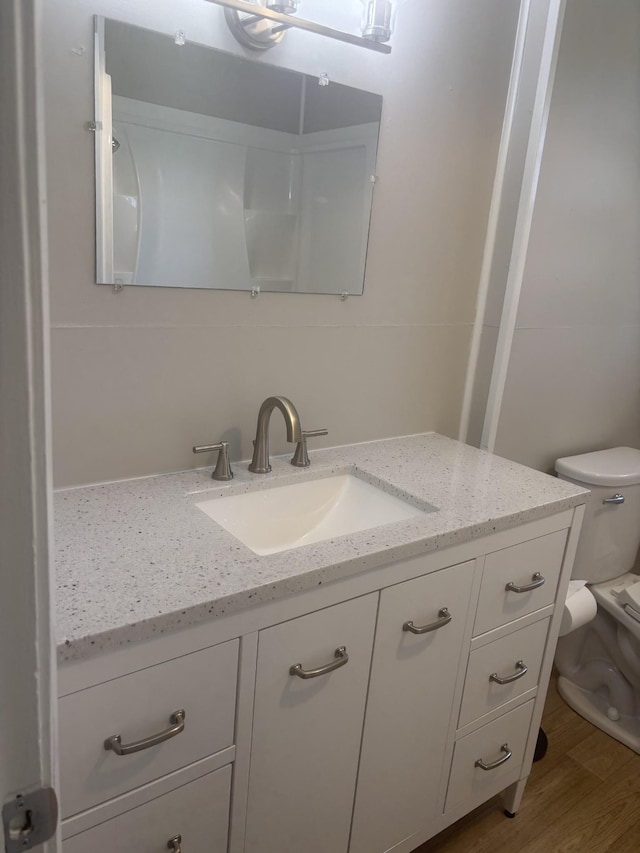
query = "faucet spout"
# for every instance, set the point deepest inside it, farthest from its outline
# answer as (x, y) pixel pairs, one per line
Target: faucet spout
(260, 461)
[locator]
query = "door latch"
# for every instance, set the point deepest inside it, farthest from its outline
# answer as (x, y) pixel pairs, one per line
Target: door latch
(29, 819)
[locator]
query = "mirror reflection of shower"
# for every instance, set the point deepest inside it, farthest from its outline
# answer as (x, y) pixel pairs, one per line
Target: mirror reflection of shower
(231, 174)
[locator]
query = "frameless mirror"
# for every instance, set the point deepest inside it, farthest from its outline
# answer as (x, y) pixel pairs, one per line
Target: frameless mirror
(216, 171)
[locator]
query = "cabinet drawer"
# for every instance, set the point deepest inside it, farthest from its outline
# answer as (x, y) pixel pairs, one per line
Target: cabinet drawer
(482, 693)
(198, 812)
(518, 565)
(139, 705)
(469, 783)
(307, 732)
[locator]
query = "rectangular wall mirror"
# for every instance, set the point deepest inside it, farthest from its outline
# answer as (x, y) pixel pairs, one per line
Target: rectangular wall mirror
(215, 171)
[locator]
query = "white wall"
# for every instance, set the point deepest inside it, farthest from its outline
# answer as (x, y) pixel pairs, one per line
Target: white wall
(573, 383)
(141, 376)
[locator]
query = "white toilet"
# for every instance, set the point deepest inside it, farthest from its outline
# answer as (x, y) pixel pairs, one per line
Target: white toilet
(599, 663)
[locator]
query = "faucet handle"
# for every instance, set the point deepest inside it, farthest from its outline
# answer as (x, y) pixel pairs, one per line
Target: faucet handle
(222, 470)
(301, 456)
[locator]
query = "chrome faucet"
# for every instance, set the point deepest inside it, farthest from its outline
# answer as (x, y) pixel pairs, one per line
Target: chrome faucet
(260, 462)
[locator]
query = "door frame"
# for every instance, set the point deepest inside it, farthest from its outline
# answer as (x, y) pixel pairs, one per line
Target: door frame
(28, 726)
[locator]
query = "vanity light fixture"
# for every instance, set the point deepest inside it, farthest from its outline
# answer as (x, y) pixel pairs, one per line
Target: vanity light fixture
(263, 26)
(286, 7)
(378, 19)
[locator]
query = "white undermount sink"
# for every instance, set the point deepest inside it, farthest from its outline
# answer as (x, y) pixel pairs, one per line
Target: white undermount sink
(284, 517)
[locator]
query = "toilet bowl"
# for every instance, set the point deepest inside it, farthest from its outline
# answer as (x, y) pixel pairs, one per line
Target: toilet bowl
(599, 663)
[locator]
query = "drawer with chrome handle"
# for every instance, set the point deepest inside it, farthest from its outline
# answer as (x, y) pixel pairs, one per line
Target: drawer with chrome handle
(489, 759)
(500, 671)
(192, 817)
(126, 732)
(519, 580)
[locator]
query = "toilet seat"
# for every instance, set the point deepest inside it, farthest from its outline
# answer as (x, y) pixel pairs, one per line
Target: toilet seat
(609, 602)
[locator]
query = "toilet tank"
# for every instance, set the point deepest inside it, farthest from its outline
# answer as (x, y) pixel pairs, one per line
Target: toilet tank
(610, 535)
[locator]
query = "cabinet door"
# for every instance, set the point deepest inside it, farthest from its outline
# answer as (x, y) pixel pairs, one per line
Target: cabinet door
(409, 708)
(192, 818)
(307, 731)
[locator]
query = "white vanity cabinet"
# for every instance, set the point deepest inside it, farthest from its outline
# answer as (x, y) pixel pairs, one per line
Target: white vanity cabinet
(363, 716)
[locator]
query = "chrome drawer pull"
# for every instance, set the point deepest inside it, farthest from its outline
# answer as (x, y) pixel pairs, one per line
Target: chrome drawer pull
(536, 581)
(444, 617)
(616, 499)
(115, 741)
(521, 670)
(341, 659)
(175, 844)
(493, 764)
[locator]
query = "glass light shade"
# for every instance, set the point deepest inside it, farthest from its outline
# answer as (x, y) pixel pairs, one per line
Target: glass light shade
(378, 19)
(286, 7)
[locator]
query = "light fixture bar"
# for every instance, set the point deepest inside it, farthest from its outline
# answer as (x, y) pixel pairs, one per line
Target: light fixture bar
(299, 23)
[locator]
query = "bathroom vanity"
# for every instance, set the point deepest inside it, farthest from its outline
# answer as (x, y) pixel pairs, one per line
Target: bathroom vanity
(357, 694)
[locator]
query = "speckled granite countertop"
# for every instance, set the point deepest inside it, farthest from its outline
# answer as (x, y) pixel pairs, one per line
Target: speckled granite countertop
(136, 558)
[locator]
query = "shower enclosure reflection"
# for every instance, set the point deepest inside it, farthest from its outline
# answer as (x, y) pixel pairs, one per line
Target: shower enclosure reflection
(215, 171)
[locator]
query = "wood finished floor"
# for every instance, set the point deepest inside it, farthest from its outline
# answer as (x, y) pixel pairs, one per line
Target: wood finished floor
(583, 797)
